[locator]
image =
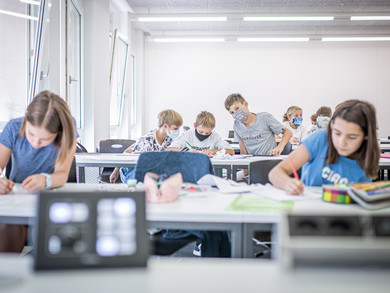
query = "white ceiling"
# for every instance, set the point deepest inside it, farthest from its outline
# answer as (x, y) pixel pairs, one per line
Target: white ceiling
(236, 9)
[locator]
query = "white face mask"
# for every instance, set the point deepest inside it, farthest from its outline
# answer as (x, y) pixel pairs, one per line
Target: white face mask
(173, 133)
(322, 121)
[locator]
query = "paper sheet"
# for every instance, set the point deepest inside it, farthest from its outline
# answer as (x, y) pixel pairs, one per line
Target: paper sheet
(274, 193)
(225, 185)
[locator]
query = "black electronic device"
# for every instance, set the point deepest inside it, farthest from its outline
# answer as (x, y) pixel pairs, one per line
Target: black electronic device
(90, 230)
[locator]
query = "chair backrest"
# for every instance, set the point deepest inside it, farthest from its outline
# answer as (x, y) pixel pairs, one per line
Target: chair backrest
(114, 145)
(72, 177)
(8, 167)
(258, 171)
(287, 148)
(192, 166)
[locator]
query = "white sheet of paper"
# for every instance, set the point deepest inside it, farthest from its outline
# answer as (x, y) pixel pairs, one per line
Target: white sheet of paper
(274, 193)
(225, 186)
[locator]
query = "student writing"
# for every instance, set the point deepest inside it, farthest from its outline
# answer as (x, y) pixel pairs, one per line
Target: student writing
(347, 151)
(42, 146)
(169, 122)
(202, 138)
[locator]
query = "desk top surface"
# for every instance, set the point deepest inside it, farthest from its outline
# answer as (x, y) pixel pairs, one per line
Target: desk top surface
(177, 275)
(206, 207)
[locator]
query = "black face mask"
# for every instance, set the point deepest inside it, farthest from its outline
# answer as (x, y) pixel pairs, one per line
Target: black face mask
(201, 137)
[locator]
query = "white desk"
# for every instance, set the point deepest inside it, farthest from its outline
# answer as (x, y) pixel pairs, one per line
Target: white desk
(177, 276)
(197, 211)
(130, 160)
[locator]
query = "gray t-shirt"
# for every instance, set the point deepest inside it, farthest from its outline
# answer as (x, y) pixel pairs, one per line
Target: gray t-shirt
(259, 138)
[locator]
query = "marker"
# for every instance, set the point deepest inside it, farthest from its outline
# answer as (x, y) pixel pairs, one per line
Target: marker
(293, 168)
(189, 144)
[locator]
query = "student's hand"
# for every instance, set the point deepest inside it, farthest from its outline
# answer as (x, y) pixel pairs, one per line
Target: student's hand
(34, 183)
(6, 185)
(193, 151)
(209, 152)
(294, 186)
(294, 140)
(114, 176)
(276, 151)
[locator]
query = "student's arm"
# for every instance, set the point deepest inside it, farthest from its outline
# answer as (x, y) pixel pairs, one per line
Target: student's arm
(180, 143)
(219, 145)
(214, 151)
(5, 184)
(114, 175)
(37, 182)
(280, 147)
(279, 175)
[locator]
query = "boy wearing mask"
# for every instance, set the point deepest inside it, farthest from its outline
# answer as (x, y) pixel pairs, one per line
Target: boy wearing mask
(202, 139)
(255, 132)
(169, 122)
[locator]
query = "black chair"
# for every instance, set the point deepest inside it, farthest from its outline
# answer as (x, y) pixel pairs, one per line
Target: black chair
(287, 148)
(258, 171)
(8, 167)
(112, 146)
(72, 178)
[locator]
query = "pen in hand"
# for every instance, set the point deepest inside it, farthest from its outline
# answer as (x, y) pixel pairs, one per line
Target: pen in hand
(189, 144)
(295, 187)
(293, 169)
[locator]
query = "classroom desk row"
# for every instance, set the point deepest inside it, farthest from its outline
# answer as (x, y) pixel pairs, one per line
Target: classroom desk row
(130, 160)
(192, 276)
(200, 211)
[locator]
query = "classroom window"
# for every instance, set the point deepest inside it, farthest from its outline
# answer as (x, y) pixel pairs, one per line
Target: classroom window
(18, 26)
(119, 55)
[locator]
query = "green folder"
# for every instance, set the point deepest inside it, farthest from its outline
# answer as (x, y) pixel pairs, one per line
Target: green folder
(254, 203)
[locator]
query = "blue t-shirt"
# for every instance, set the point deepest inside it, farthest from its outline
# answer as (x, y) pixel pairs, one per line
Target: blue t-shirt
(315, 173)
(26, 160)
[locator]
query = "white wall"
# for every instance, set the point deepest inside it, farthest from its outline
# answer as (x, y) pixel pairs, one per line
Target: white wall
(96, 64)
(190, 77)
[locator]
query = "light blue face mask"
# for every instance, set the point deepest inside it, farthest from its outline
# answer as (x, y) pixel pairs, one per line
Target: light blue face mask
(322, 121)
(297, 121)
(173, 133)
(240, 115)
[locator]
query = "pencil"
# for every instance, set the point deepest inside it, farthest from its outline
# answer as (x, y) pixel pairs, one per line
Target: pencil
(189, 144)
(293, 168)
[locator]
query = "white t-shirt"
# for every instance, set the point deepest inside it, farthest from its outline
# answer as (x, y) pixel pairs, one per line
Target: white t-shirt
(299, 133)
(214, 141)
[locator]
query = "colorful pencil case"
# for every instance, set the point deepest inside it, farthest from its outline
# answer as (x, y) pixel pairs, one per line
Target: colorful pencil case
(336, 194)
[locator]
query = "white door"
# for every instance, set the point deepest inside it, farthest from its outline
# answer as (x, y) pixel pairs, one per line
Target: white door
(73, 61)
